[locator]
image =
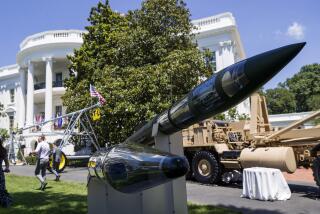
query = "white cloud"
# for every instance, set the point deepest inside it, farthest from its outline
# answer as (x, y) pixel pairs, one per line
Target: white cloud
(296, 31)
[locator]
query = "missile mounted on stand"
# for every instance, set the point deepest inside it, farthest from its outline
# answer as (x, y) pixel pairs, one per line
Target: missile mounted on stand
(133, 167)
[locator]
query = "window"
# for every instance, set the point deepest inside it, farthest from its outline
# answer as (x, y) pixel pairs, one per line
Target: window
(58, 111)
(58, 80)
(213, 62)
(11, 121)
(12, 95)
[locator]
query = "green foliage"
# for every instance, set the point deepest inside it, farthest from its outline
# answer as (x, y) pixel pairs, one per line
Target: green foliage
(232, 114)
(314, 102)
(243, 116)
(209, 58)
(209, 209)
(4, 133)
(220, 116)
(305, 86)
(140, 62)
(31, 160)
(280, 100)
(297, 94)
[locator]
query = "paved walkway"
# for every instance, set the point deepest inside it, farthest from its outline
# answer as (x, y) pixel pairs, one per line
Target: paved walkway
(78, 174)
(303, 200)
(302, 175)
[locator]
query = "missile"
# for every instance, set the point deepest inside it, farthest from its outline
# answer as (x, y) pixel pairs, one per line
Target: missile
(219, 92)
(131, 168)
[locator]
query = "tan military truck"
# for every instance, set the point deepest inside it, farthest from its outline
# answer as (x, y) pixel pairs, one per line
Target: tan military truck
(216, 148)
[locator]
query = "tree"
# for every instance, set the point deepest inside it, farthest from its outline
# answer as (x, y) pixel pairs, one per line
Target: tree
(305, 86)
(314, 102)
(280, 100)
(140, 62)
(4, 133)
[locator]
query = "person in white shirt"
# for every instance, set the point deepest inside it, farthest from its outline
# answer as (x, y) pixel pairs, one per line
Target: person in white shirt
(42, 151)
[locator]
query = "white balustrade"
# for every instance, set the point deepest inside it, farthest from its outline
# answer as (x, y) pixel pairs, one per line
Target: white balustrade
(47, 37)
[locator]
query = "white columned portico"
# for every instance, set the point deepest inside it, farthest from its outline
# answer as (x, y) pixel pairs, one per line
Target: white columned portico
(227, 58)
(22, 98)
(30, 88)
(48, 95)
(226, 54)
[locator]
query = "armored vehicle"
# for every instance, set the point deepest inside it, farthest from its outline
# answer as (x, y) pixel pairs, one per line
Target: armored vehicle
(215, 149)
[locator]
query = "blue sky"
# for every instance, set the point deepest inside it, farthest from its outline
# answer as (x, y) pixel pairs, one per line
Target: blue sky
(263, 25)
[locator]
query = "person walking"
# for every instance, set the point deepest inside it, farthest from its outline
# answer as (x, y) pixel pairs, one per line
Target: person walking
(42, 151)
(5, 198)
(56, 158)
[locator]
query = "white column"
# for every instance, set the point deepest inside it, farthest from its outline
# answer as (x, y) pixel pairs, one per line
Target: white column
(227, 57)
(48, 95)
(30, 88)
(226, 54)
(22, 98)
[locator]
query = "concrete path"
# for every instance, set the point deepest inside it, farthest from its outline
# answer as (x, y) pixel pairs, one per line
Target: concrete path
(78, 174)
(303, 199)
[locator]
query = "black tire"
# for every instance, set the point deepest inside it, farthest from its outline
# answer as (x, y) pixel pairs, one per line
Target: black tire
(316, 170)
(206, 167)
(189, 175)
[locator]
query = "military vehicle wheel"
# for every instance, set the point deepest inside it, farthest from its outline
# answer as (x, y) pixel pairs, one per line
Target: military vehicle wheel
(316, 170)
(62, 165)
(189, 175)
(206, 168)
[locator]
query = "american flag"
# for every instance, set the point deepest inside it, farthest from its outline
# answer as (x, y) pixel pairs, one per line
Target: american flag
(95, 93)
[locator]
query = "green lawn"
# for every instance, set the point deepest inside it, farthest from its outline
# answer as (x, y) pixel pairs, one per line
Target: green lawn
(62, 197)
(59, 197)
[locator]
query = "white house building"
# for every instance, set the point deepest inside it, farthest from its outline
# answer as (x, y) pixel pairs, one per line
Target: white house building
(31, 90)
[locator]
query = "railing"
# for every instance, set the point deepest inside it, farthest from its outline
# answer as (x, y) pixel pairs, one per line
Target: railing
(215, 20)
(39, 85)
(204, 22)
(51, 37)
(57, 83)
(42, 85)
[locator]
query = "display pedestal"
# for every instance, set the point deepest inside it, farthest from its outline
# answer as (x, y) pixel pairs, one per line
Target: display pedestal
(167, 198)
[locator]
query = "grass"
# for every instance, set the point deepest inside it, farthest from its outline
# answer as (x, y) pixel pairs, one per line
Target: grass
(63, 197)
(208, 209)
(59, 197)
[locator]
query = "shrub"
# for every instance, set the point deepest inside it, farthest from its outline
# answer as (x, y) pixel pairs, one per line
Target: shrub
(31, 160)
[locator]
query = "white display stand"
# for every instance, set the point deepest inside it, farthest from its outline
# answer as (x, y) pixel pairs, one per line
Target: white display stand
(265, 184)
(169, 198)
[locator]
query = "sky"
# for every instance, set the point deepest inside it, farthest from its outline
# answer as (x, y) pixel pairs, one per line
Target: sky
(263, 24)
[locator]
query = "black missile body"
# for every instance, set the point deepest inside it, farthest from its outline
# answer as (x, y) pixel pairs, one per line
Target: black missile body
(220, 92)
(131, 168)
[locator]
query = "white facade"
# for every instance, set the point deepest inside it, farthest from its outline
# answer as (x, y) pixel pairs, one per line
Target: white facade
(284, 120)
(31, 90)
(220, 35)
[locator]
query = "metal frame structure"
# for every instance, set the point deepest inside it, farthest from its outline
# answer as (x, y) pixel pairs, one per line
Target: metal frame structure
(76, 118)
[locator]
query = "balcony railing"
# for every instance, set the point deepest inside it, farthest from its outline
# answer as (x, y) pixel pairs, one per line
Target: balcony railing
(42, 85)
(52, 37)
(39, 85)
(57, 83)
